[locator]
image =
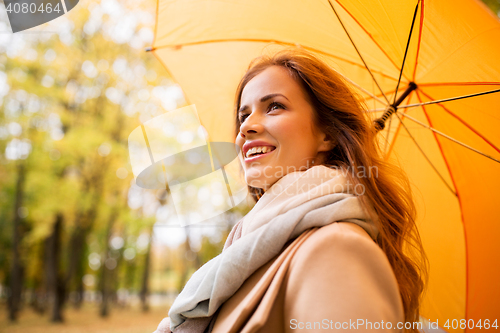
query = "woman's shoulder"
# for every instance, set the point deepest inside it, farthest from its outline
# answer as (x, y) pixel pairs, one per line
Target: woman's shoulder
(341, 246)
(339, 236)
(343, 273)
(341, 229)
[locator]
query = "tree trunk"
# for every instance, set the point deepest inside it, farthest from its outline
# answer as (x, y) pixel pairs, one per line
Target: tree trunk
(145, 276)
(39, 295)
(79, 292)
(104, 311)
(83, 225)
(130, 277)
(84, 221)
(80, 272)
(16, 273)
(54, 279)
(104, 283)
(192, 259)
(75, 253)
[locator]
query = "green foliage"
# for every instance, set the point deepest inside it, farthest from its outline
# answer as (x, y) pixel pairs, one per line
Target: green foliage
(73, 104)
(494, 5)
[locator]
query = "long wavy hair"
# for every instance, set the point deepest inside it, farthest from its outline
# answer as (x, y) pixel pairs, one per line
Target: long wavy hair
(341, 115)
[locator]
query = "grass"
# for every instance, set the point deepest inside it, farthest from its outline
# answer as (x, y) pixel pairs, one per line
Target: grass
(87, 319)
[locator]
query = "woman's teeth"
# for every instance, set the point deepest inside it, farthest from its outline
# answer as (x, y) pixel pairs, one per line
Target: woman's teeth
(257, 150)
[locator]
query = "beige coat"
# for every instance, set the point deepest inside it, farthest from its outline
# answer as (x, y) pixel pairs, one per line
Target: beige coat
(334, 277)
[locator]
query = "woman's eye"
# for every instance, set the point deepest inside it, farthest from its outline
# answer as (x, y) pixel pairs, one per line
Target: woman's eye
(273, 104)
(243, 117)
(271, 108)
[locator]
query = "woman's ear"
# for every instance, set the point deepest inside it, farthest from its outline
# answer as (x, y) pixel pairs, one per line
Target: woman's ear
(327, 144)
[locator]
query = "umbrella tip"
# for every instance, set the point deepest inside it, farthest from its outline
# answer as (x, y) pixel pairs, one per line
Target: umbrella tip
(149, 49)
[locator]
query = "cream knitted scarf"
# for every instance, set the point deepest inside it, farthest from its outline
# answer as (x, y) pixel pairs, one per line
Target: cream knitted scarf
(296, 202)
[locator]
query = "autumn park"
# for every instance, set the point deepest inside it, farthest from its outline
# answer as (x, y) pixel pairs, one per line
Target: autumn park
(83, 248)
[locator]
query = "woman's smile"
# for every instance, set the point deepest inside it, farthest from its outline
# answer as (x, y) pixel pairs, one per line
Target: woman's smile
(253, 157)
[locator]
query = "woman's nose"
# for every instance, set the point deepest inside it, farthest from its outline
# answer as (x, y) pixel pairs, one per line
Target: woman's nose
(251, 125)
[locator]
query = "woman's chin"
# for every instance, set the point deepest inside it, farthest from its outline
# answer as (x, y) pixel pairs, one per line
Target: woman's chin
(260, 183)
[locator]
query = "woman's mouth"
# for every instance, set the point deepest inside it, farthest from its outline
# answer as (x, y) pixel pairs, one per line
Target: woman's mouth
(256, 153)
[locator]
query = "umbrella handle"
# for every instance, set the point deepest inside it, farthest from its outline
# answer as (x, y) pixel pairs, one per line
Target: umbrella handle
(379, 123)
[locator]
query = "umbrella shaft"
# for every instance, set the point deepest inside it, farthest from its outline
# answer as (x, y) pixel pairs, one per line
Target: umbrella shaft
(380, 122)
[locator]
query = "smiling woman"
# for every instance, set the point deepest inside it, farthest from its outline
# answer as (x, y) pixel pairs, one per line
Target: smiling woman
(303, 137)
(322, 122)
(283, 119)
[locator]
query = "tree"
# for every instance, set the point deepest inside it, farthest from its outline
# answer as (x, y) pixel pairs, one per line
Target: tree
(76, 95)
(16, 274)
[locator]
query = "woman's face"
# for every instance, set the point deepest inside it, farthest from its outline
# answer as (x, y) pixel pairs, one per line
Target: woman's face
(275, 112)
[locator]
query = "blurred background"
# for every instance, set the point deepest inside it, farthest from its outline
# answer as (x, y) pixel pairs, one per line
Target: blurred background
(81, 246)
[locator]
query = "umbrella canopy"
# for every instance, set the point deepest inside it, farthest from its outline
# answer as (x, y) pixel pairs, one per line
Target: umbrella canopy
(437, 64)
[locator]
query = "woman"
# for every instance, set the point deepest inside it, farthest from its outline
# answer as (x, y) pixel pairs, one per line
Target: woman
(310, 158)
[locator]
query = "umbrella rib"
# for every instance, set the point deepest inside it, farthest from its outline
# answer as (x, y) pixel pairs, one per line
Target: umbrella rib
(178, 46)
(447, 136)
(356, 48)
(466, 124)
(406, 51)
(437, 101)
(368, 34)
(448, 99)
(458, 84)
(422, 151)
(391, 146)
(363, 89)
(389, 129)
(388, 133)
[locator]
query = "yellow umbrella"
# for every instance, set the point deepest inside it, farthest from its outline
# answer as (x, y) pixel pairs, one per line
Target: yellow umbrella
(443, 60)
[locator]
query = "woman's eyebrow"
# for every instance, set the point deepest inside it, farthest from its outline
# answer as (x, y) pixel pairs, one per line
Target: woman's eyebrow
(262, 100)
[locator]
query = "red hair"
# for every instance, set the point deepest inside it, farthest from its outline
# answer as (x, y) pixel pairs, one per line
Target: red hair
(341, 116)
